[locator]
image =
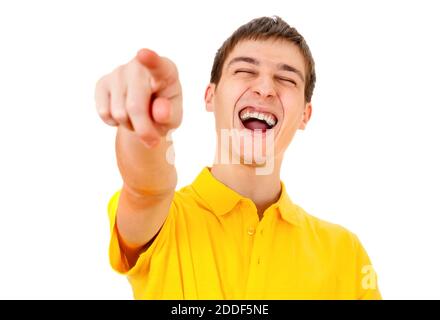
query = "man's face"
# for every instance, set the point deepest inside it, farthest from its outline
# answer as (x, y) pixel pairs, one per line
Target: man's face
(261, 92)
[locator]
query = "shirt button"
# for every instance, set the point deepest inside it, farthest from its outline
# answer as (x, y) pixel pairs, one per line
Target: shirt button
(251, 231)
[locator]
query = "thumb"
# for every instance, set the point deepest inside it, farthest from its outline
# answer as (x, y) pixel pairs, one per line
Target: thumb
(166, 113)
(161, 110)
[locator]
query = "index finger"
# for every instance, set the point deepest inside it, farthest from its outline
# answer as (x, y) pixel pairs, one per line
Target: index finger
(161, 69)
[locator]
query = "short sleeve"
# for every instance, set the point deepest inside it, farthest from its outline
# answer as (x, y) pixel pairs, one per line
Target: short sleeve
(118, 260)
(367, 283)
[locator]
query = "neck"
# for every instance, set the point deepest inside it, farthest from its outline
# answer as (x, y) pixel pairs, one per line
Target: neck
(263, 190)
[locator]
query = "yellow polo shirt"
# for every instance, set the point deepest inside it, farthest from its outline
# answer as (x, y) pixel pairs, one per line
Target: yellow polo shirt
(212, 245)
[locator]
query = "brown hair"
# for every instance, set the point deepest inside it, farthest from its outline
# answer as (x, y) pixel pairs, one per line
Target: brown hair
(265, 28)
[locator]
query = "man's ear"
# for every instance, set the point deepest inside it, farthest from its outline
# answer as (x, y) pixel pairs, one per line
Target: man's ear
(307, 114)
(209, 97)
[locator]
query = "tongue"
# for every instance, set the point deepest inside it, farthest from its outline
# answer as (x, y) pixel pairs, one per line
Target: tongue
(253, 124)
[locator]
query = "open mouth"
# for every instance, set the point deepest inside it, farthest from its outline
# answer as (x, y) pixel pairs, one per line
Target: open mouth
(257, 120)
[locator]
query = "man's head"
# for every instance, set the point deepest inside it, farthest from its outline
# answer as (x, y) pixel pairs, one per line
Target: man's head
(263, 77)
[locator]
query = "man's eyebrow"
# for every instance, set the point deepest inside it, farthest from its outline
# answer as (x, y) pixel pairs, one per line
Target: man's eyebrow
(286, 67)
(244, 59)
(281, 66)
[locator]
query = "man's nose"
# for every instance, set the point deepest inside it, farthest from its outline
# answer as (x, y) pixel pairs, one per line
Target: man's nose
(264, 87)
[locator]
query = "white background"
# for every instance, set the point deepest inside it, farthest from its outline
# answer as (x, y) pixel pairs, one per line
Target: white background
(368, 159)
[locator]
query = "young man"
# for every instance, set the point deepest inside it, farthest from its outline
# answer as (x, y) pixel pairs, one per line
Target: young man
(233, 233)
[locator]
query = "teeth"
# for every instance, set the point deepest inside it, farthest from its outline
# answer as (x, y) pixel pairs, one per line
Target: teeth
(270, 119)
(245, 116)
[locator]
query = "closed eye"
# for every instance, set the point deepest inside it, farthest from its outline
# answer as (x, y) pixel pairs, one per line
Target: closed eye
(251, 72)
(244, 71)
(288, 80)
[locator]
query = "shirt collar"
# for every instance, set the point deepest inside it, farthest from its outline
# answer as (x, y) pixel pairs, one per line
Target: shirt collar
(221, 199)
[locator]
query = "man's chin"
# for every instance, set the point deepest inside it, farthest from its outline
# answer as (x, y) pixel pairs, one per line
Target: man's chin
(263, 164)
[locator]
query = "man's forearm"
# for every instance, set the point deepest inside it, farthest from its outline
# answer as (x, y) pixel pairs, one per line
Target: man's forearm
(145, 171)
